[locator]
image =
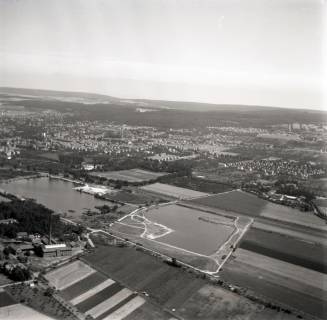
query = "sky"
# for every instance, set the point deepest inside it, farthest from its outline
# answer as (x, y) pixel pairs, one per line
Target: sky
(254, 52)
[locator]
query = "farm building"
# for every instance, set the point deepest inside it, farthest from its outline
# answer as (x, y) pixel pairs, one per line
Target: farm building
(56, 250)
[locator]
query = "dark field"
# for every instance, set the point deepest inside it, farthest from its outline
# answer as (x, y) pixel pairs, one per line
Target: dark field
(83, 285)
(99, 297)
(265, 284)
(170, 287)
(236, 201)
(6, 299)
(274, 245)
(128, 197)
(138, 271)
(10, 173)
(197, 184)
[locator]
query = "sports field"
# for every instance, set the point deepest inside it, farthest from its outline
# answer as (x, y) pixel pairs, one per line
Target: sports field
(177, 230)
(172, 191)
(132, 175)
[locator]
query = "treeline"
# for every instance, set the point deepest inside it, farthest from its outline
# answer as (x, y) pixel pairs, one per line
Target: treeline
(16, 272)
(32, 218)
(294, 189)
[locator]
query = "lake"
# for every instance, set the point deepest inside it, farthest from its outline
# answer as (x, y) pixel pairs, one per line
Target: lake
(55, 194)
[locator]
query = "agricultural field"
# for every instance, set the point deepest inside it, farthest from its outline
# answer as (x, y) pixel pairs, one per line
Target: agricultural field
(5, 299)
(21, 312)
(244, 203)
(293, 275)
(197, 184)
(173, 288)
(299, 252)
(34, 304)
(287, 214)
(172, 191)
(131, 197)
(288, 284)
(212, 302)
(236, 201)
(104, 298)
(184, 233)
(132, 175)
(321, 203)
(54, 156)
(69, 274)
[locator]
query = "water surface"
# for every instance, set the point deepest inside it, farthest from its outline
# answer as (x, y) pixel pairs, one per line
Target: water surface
(55, 194)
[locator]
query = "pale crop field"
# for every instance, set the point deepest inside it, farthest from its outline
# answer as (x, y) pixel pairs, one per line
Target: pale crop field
(69, 274)
(21, 312)
(172, 191)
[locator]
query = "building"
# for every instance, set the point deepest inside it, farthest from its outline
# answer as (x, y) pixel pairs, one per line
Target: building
(8, 221)
(56, 250)
(21, 235)
(88, 166)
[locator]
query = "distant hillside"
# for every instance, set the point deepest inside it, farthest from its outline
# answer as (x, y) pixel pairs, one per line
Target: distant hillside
(52, 93)
(162, 104)
(169, 114)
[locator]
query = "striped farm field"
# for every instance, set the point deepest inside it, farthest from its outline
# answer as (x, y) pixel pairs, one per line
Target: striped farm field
(83, 285)
(302, 253)
(94, 294)
(69, 274)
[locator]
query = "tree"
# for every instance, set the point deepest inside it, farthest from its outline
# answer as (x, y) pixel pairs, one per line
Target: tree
(49, 292)
(20, 274)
